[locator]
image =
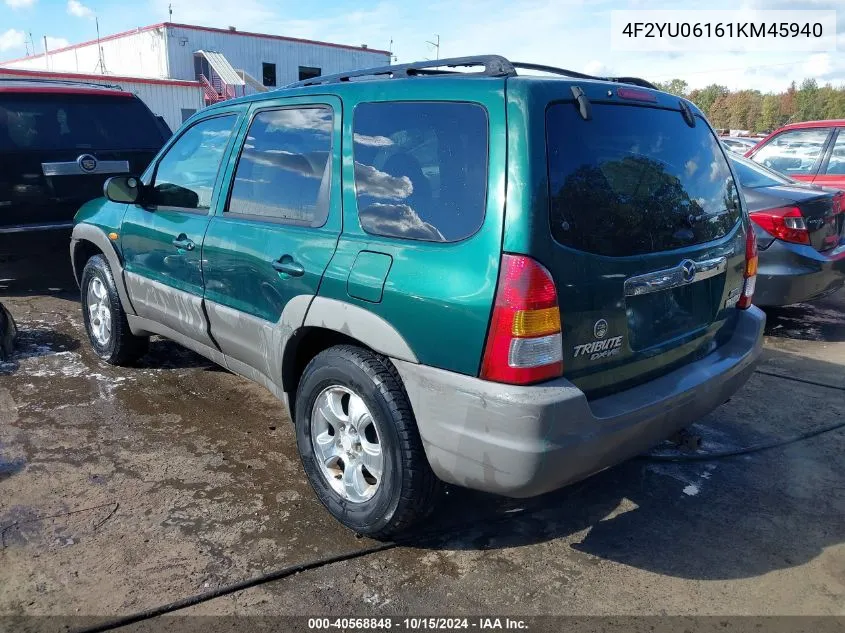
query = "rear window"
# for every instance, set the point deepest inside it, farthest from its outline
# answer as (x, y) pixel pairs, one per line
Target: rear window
(421, 169)
(753, 176)
(636, 180)
(73, 121)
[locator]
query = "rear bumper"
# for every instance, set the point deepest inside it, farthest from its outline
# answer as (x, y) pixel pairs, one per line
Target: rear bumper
(792, 273)
(524, 441)
(23, 240)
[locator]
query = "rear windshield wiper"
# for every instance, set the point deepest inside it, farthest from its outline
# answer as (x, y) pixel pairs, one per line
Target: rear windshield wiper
(695, 219)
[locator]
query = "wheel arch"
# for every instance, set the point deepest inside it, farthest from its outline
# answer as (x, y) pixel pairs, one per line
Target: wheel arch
(87, 241)
(330, 322)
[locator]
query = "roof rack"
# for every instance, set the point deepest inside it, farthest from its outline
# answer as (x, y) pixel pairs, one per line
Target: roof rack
(492, 66)
(64, 82)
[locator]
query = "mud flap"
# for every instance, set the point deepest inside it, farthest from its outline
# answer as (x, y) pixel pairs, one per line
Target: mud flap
(8, 331)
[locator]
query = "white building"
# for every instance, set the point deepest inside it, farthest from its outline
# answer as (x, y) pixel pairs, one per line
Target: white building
(178, 68)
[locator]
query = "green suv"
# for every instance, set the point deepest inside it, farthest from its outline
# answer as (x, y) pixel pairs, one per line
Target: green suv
(497, 281)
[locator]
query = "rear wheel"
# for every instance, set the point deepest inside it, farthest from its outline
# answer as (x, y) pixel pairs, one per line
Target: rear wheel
(104, 317)
(359, 443)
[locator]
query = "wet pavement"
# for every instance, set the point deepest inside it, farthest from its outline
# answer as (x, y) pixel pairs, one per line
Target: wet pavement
(125, 488)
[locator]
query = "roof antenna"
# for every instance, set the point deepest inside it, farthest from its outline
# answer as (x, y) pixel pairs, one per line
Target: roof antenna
(436, 45)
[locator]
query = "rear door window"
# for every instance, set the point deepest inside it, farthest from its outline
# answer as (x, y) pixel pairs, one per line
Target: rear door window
(421, 169)
(836, 164)
(794, 152)
(636, 180)
(58, 121)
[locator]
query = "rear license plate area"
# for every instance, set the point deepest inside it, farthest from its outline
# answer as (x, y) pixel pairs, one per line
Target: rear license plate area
(658, 317)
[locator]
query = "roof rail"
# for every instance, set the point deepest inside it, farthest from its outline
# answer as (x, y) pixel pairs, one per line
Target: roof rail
(64, 82)
(493, 66)
(636, 81)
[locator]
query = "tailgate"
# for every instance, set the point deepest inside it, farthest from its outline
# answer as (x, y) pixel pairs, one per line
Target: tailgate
(648, 246)
(57, 149)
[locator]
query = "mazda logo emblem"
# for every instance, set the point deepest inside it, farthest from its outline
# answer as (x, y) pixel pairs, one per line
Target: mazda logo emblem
(87, 163)
(688, 270)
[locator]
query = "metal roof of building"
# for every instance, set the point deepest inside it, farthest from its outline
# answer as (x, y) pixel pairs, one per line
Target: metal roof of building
(222, 67)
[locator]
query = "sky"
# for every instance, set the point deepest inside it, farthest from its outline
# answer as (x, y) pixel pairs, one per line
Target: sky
(572, 34)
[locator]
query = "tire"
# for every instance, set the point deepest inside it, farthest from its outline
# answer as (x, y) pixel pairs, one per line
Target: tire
(407, 489)
(102, 312)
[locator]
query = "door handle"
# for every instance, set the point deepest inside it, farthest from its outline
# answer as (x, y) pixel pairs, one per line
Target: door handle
(287, 264)
(183, 242)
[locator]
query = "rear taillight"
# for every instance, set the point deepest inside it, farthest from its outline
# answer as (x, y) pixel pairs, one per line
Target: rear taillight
(785, 224)
(524, 343)
(750, 274)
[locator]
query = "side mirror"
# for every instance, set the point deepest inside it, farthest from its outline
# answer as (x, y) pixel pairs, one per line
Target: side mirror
(123, 189)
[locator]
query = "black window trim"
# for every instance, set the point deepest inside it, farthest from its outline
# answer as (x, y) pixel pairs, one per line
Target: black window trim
(483, 218)
(815, 170)
(176, 139)
(263, 219)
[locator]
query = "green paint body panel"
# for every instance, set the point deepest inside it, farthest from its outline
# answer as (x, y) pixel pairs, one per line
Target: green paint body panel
(103, 214)
(590, 286)
(438, 296)
(367, 277)
(238, 252)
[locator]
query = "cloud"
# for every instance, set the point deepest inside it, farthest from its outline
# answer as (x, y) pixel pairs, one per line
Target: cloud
(369, 181)
(54, 43)
(819, 65)
(319, 119)
(397, 220)
(12, 39)
(75, 7)
(311, 165)
(600, 69)
(372, 141)
(19, 4)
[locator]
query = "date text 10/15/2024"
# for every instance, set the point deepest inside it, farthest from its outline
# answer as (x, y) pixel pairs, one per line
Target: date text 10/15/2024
(417, 624)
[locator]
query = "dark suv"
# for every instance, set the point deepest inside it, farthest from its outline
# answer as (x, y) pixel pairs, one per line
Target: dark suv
(503, 282)
(59, 141)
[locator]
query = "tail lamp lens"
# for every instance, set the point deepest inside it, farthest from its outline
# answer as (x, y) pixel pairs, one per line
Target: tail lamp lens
(524, 343)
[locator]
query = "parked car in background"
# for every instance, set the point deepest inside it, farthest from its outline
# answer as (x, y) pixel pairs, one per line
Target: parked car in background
(812, 151)
(59, 142)
(738, 144)
(347, 244)
(800, 231)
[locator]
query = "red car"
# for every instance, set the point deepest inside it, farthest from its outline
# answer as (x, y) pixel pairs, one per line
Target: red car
(813, 151)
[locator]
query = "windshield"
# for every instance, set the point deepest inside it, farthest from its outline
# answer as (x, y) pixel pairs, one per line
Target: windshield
(76, 121)
(752, 175)
(636, 180)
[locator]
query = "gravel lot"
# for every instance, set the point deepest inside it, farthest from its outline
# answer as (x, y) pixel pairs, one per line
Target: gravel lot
(125, 488)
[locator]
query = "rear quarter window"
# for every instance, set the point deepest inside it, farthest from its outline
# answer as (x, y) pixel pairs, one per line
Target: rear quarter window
(636, 180)
(421, 169)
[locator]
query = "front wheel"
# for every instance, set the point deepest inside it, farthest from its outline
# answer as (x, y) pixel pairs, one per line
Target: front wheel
(104, 317)
(359, 443)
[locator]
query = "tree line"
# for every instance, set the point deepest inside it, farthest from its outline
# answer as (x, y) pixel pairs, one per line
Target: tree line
(758, 112)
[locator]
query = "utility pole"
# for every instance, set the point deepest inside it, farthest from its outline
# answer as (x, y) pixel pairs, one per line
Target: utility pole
(170, 11)
(436, 45)
(46, 54)
(101, 58)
